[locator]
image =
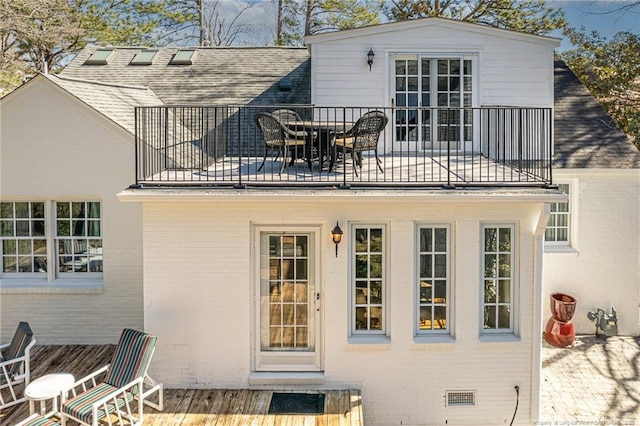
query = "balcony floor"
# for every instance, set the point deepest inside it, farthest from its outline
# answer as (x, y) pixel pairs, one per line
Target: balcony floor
(405, 170)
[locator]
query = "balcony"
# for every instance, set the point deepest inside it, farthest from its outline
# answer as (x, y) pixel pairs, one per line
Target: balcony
(223, 146)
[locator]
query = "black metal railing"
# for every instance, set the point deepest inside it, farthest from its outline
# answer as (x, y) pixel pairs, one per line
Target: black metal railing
(330, 147)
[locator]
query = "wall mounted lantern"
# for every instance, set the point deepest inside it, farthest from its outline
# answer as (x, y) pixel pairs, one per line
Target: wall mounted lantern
(370, 56)
(336, 236)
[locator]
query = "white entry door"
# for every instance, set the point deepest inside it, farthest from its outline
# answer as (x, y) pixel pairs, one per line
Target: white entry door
(287, 332)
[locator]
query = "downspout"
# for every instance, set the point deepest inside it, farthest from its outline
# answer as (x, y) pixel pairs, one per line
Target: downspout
(538, 254)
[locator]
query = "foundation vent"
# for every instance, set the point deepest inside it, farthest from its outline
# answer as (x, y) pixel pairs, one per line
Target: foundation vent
(461, 398)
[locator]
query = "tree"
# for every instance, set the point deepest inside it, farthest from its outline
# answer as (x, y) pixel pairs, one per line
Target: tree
(299, 18)
(611, 71)
(531, 16)
(219, 31)
(39, 35)
(38, 32)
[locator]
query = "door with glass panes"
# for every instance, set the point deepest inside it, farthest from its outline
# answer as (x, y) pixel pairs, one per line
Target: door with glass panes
(432, 97)
(288, 308)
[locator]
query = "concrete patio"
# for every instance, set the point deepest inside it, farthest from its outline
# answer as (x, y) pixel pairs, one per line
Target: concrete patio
(597, 382)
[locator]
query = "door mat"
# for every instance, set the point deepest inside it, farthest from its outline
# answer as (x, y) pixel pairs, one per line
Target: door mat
(296, 403)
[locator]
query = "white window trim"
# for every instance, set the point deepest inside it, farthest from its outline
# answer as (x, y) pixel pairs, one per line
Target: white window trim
(433, 335)
(53, 281)
(369, 336)
(513, 331)
(571, 245)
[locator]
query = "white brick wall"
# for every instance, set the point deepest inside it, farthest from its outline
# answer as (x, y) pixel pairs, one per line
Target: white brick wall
(603, 268)
(198, 294)
(42, 129)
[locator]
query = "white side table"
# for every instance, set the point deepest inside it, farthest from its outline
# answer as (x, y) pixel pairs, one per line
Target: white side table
(48, 387)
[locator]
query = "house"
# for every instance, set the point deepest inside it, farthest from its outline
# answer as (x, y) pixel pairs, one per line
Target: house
(434, 301)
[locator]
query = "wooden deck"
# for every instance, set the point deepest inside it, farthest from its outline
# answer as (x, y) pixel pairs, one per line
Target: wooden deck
(190, 406)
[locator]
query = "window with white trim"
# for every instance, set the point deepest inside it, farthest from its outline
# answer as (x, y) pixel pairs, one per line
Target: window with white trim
(498, 256)
(558, 230)
(433, 286)
(368, 279)
(78, 237)
(24, 243)
(37, 234)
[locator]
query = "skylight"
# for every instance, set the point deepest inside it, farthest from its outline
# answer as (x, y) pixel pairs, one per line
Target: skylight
(144, 57)
(183, 57)
(99, 57)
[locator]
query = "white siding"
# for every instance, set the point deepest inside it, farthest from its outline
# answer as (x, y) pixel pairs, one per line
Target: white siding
(603, 269)
(55, 147)
(510, 71)
(198, 293)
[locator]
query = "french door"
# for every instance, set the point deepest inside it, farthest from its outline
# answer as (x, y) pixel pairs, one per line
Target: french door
(288, 301)
(432, 97)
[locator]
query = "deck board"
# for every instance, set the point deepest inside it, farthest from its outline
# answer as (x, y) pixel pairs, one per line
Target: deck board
(216, 407)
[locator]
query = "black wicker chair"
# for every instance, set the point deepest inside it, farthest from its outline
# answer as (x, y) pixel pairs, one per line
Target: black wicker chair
(277, 135)
(363, 136)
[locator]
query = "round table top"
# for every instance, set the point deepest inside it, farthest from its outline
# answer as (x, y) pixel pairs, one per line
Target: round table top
(49, 386)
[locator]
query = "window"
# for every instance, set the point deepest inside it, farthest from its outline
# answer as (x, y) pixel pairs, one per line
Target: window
(183, 57)
(78, 237)
(36, 234)
(559, 224)
(99, 57)
(368, 280)
(433, 285)
(144, 57)
(498, 278)
(24, 245)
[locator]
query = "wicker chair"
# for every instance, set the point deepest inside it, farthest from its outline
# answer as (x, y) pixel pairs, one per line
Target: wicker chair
(363, 136)
(277, 135)
(286, 116)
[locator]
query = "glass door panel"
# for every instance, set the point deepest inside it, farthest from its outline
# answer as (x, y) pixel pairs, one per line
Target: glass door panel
(288, 309)
(430, 95)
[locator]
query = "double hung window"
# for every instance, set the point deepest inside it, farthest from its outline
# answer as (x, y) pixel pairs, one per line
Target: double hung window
(50, 239)
(24, 243)
(558, 230)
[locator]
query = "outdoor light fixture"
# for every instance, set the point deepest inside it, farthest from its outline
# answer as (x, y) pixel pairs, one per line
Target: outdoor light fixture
(336, 236)
(370, 56)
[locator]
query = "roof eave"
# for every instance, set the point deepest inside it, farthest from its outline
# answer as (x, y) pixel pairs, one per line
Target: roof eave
(432, 21)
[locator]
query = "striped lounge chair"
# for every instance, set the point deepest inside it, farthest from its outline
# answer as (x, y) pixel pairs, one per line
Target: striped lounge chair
(14, 366)
(37, 420)
(118, 391)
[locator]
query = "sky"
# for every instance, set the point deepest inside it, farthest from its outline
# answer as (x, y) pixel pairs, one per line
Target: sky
(605, 16)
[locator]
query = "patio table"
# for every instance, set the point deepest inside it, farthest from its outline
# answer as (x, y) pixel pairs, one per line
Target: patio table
(324, 129)
(48, 387)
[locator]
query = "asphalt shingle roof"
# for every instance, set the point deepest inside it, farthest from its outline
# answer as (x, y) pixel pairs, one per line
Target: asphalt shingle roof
(117, 102)
(585, 135)
(218, 75)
